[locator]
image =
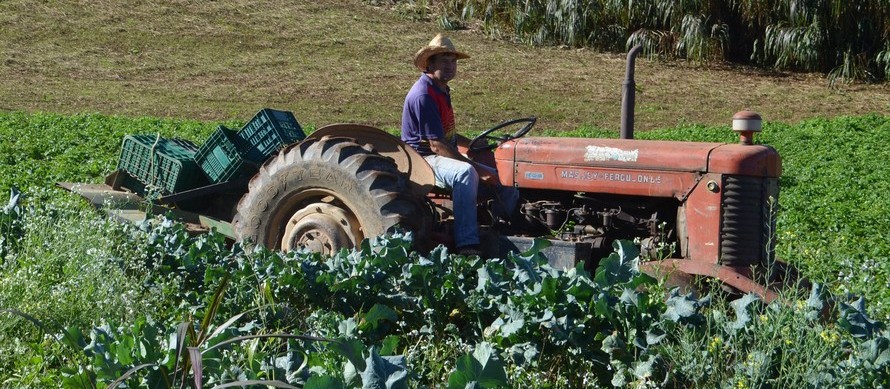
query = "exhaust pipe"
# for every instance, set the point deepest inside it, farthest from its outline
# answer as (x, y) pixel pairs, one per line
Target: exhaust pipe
(629, 95)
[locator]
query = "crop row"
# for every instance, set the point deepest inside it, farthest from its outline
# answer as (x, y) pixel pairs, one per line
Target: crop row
(833, 218)
(384, 314)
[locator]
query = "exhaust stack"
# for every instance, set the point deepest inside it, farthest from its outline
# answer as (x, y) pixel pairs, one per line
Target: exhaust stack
(629, 95)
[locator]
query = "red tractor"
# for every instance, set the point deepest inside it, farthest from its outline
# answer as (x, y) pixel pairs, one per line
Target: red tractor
(697, 208)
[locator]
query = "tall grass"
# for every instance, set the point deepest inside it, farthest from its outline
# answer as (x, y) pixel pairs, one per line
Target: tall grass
(846, 40)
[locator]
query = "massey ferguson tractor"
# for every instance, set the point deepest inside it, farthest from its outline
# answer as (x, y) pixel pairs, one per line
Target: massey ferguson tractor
(697, 209)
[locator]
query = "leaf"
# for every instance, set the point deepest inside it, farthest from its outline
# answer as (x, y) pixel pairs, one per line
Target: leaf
(512, 327)
(123, 378)
(684, 308)
(210, 314)
(620, 266)
(742, 311)
(522, 353)
(816, 302)
(614, 346)
(876, 351)
(390, 345)
(465, 372)
(618, 379)
(645, 369)
(348, 328)
(14, 196)
(628, 251)
(378, 313)
(124, 350)
(855, 320)
(350, 374)
(182, 332)
(604, 305)
(384, 372)
(550, 289)
(225, 325)
(655, 336)
(608, 271)
(493, 373)
(538, 245)
(483, 279)
(197, 366)
(483, 368)
(494, 328)
(78, 379)
(353, 350)
(324, 382)
(73, 337)
(630, 297)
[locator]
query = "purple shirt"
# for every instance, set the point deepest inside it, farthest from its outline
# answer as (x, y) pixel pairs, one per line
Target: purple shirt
(427, 114)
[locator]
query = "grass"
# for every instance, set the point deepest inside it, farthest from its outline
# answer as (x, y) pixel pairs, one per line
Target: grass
(345, 61)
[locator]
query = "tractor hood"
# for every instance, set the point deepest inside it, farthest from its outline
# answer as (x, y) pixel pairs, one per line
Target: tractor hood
(651, 155)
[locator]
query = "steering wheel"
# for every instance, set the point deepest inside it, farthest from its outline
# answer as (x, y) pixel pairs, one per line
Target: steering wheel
(480, 142)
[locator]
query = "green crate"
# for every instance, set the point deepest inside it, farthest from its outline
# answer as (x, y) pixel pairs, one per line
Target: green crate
(166, 164)
(221, 159)
(267, 132)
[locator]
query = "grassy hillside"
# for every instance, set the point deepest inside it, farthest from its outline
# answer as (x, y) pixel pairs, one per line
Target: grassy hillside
(343, 60)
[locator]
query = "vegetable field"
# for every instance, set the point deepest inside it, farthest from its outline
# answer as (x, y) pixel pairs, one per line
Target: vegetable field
(88, 302)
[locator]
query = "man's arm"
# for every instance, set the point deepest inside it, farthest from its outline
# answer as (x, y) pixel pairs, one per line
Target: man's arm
(446, 149)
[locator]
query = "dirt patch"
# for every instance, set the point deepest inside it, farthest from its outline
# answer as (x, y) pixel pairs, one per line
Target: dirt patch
(345, 61)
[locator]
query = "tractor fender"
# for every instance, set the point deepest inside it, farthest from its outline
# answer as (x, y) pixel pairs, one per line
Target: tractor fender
(421, 179)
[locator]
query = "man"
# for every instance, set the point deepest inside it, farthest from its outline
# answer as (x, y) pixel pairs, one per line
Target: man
(428, 127)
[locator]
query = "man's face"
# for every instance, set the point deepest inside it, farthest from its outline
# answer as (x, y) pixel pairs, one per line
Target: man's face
(442, 67)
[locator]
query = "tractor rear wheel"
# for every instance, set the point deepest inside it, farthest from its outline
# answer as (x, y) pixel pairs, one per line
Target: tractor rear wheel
(325, 195)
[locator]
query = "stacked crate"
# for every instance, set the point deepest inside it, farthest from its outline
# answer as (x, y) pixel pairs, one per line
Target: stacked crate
(166, 165)
(268, 131)
(175, 165)
(222, 158)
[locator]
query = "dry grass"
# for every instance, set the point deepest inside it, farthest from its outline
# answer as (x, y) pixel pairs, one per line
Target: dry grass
(342, 60)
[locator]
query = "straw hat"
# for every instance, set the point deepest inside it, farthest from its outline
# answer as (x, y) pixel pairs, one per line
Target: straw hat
(440, 44)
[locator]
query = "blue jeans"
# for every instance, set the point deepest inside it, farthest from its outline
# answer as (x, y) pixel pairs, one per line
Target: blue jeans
(463, 181)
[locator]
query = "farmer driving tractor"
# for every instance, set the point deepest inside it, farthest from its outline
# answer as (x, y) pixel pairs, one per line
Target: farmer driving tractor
(428, 127)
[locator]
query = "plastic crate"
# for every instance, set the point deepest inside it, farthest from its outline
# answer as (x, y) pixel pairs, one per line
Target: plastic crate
(166, 164)
(221, 158)
(267, 132)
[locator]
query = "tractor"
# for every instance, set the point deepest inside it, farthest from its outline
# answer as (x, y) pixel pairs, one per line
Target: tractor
(697, 209)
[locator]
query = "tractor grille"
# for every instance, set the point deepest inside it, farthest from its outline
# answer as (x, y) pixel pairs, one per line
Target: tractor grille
(748, 222)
